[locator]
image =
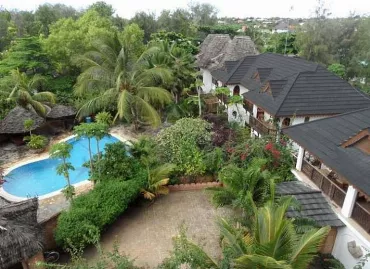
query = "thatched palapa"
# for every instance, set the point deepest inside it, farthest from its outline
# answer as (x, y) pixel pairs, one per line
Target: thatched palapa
(61, 111)
(20, 235)
(13, 122)
(218, 49)
(211, 48)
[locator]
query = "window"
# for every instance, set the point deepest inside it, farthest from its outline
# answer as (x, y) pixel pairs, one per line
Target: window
(306, 119)
(236, 90)
(286, 122)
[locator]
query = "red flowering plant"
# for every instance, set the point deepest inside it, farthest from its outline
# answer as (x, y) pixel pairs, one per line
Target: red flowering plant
(279, 157)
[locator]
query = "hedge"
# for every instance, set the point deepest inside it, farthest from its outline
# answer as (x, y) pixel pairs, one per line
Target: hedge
(82, 224)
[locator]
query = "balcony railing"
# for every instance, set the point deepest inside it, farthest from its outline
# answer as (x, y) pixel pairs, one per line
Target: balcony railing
(262, 127)
(328, 186)
(362, 216)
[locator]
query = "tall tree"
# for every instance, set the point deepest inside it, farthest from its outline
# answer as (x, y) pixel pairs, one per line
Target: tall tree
(7, 29)
(147, 22)
(69, 38)
(132, 84)
(104, 9)
(203, 14)
(314, 40)
(25, 54)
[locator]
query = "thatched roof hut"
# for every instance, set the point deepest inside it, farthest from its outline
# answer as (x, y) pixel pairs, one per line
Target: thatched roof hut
(211, 48)
(61, 112)
(20, 235)
(13, 122)
(217, 49)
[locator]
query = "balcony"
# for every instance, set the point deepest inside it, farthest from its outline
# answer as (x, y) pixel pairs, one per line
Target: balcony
(336, 192)
(332, 189)
(262, 127)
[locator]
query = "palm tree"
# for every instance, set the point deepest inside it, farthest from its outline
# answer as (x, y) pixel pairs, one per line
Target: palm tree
(118, 78)
(244, 187)
(272, 240)
(157, 180)
(25, 92)
(181, 63)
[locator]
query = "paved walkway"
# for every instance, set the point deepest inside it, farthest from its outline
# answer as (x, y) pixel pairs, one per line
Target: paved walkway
(145, 233)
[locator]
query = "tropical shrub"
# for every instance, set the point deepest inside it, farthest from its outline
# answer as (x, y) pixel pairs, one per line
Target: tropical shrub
(116, 163)
(214, 160)
(182, 144)
(36, 141)
(82, 224)
(244, 187)
(104, 117)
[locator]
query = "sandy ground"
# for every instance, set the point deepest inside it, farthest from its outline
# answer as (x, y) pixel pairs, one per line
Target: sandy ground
(145, 232)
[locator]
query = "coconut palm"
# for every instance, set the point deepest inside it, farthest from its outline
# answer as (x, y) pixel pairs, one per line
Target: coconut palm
(25, 92)
(118, 78)
(181, 62)
(272, 240)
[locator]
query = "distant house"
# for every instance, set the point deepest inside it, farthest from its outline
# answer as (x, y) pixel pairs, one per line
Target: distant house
(217, 49)
(281, 91)
(281, 27)
(334, 157)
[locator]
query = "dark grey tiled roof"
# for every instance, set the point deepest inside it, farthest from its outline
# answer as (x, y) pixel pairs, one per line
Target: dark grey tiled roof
(298, 87)
(313, 204)
(323, 138)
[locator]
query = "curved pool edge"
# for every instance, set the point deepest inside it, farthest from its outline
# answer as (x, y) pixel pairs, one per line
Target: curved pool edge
(12, 198)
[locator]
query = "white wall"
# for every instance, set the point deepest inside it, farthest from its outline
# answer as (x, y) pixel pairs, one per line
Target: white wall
(207, 80)
(242, 89)
(241, 116)
(340, 249)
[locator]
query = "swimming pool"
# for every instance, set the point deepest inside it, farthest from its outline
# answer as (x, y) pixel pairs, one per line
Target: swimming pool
(40, 177)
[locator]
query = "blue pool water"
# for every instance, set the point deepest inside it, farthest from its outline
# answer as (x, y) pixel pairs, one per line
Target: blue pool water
(40, 178)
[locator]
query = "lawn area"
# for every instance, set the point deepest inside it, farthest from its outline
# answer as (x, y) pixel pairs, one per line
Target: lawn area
(145, 232)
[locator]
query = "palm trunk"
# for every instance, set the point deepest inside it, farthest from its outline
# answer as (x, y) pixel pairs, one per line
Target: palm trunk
(97, 146)
(199, 103)
(91, 163)
(67, 174)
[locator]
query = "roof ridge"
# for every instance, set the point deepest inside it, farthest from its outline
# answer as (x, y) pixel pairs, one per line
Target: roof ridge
(335, 116)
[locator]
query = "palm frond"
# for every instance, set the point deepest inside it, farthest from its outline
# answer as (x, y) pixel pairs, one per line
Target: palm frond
(44, 97)
(38, 107)
(233, 238)
(155, 95)
(308, 246)
(96, 104)
(125, 102)
(259, 261)
(147, 112)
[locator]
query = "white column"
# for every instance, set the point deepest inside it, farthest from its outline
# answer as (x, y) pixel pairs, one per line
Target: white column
(254, 111)
(349, 202)
(300, 156)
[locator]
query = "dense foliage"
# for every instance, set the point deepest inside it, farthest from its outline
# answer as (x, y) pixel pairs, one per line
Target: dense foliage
(81, 225)
(182, 144)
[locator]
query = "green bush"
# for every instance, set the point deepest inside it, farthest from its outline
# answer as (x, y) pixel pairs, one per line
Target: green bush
(116, 163)
(81, 225)
(182, 144)
(36, 141)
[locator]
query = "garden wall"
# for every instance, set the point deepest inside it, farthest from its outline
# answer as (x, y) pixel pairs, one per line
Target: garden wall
(193, 186)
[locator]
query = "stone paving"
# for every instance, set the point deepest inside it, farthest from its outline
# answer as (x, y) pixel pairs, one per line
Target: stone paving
(145, 232)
